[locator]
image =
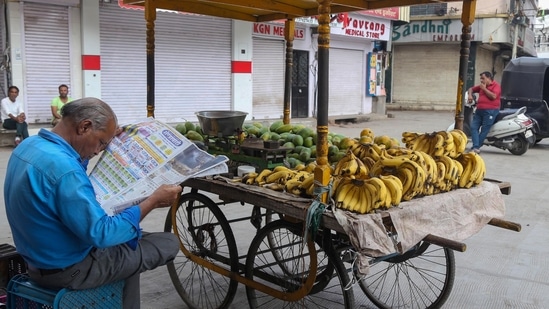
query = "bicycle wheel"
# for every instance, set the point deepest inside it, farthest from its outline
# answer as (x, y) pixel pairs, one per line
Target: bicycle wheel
(204, 234)
(278, 258)
(422, 278)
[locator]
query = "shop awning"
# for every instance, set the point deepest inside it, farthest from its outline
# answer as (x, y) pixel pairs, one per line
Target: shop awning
(268, 10)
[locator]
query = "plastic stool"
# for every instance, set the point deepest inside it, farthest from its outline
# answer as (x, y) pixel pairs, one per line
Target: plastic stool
(23, 293)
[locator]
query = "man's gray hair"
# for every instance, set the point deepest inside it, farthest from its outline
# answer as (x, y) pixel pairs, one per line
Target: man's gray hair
(93, 109)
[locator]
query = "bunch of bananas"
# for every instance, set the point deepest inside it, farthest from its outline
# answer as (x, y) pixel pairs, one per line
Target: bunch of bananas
(368, 153)
(474, 170)
(416, 169)
(365, 195)
(350, 165)
(282, 178)
(449, 171)
(439, 143)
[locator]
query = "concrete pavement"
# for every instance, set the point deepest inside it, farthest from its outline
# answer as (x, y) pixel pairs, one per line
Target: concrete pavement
(500, 269)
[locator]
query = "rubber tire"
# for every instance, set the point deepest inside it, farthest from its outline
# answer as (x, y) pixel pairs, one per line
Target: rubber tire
(321, 290)
(189, 278)
(521, 144)
(385, 277)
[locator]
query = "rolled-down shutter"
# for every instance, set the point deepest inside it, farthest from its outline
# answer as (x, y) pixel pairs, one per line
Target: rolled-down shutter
(346, 82)
(268, 78)
(420, 67)
(46, 57)
(192, 63)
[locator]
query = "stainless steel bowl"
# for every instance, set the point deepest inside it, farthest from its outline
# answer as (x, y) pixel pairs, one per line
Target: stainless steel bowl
(221, 123)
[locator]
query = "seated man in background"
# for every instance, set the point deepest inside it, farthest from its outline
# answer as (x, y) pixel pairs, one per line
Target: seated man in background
(13, 115)
(58, 102)
(59, 227)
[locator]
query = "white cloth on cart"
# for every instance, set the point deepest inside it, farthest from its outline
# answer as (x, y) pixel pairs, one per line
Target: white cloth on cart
(455, 215)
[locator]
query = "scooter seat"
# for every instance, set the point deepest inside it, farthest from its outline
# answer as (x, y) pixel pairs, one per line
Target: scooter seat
(505, 112)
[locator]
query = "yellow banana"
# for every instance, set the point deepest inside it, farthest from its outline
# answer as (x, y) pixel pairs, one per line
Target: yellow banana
(349, 199)
(430, 169)
(367, 202)
(260, 179)
(467, 170)
(441, 182)
(394, 161)
(418, 177)
(459, 171)
(280, 168)
(342, 191)
(374, 196)
(350, 168)
(380, 188)
(280, 176)
(292, 184)
(394, 186)
(310, 167)
(482, 168)
(438, 147)
(460, 140)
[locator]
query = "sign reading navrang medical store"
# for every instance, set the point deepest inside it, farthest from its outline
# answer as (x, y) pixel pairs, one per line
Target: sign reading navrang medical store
(359, 26)
(444, 30)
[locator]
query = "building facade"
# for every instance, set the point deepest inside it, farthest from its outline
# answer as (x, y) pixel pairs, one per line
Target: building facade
(98, 48)
(426, 51)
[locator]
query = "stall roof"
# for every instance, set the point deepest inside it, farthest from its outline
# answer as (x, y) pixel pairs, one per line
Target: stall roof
(268, 10)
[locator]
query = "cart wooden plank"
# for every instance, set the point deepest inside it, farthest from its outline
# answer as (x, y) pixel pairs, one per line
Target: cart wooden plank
(296, 207)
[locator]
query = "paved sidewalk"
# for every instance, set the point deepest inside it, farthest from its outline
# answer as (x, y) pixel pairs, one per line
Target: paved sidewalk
(500, 269)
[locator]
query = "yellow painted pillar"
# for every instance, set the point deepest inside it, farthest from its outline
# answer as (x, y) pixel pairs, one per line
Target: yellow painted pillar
(322, 171)
(467, 19)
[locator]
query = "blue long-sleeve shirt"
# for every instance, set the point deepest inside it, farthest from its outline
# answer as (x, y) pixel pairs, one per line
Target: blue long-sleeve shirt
(51, 206)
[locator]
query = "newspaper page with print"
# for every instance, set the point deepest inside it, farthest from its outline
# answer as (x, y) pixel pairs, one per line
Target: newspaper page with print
(143, 157)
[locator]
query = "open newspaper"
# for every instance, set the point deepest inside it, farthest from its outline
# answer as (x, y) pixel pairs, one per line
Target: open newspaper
(143, 157)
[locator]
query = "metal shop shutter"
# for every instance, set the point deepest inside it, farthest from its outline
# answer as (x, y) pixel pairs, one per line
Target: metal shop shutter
(268, 78)
(419, 69)
(192, 63)
(46, 57)
(347, 86)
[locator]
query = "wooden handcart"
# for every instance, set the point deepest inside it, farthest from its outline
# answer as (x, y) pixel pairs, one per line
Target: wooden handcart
(279, 268)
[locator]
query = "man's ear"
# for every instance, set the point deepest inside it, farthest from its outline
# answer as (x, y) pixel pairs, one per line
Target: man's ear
(85, 126)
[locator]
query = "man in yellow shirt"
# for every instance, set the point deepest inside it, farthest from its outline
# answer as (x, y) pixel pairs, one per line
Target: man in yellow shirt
(58, 102)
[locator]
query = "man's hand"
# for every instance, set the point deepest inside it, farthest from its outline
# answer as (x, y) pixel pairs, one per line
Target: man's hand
(164, 196)
(21, 118)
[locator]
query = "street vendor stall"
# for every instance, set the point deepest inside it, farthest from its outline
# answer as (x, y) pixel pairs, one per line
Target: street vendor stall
(302, 254)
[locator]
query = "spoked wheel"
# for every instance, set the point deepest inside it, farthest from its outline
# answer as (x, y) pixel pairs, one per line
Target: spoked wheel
(421, 278)
(204, 234)
(279, 259)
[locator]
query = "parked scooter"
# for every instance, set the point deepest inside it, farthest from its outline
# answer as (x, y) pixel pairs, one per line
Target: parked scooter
(512, 130)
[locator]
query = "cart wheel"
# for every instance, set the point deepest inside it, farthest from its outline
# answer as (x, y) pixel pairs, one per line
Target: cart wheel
(278, 259)
(204, 233)
(421, 278)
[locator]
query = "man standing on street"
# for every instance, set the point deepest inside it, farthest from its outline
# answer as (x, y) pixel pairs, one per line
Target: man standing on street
(489, 95)
(13, 115)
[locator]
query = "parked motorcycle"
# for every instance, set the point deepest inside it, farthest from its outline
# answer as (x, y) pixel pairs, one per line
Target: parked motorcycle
(512, 130)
